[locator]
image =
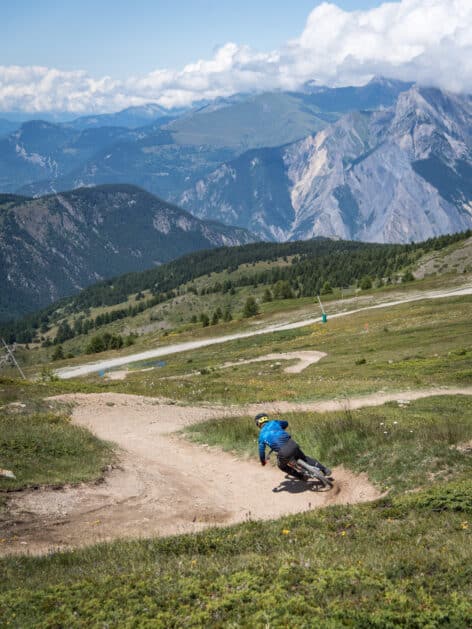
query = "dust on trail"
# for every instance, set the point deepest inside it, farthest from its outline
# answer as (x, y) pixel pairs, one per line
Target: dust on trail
(165, 485)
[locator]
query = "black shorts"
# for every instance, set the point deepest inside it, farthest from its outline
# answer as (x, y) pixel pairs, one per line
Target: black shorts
(290, 450)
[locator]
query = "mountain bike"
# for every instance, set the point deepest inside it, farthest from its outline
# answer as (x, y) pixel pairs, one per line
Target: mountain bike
(310, 471)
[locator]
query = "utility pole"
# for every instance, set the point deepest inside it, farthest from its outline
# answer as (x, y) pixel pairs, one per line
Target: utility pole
(8, 357)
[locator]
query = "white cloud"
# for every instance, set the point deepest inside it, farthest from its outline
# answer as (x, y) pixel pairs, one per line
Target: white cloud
(429, 41)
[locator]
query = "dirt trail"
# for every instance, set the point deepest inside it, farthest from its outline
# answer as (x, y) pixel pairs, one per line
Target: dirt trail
(165, 485)
(111, 363)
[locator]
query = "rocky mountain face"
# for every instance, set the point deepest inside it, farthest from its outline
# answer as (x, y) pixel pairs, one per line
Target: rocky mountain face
(55, 245)
(395, 175)
(387, 162)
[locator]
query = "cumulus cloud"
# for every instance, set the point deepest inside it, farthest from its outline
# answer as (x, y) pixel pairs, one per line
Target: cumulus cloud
(428, 41)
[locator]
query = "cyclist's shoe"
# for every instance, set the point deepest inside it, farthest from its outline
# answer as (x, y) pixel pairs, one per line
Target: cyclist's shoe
(326, 471)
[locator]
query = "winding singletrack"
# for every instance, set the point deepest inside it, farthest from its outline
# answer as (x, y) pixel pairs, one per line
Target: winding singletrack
(165, 485)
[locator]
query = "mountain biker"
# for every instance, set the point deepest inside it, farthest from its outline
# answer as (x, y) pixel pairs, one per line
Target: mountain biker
(274, 436)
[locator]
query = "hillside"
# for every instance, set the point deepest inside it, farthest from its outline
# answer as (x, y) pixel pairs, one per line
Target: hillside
(217, 282)
(55, 245)
(274, 118)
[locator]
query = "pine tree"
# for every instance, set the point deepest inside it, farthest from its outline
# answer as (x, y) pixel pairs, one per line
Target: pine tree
(251, 308)
(58, 353)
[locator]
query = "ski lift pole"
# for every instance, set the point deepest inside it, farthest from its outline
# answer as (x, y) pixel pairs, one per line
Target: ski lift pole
(12, 357)
(324, 317)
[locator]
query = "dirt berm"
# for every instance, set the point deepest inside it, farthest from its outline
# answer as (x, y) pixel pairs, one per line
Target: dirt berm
(165, 485)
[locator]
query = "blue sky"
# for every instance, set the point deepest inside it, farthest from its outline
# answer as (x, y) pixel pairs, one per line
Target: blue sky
(84, 56)
(122, 37)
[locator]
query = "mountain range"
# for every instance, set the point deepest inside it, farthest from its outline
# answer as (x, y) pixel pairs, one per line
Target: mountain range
(385, 162)
(55, 245)
(172, 149)
(398, 174)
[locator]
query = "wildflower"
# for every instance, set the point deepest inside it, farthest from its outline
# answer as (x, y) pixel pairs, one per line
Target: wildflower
(464, 525)
(285, 531)
(395, 422)
(343, 533)
(385, 432)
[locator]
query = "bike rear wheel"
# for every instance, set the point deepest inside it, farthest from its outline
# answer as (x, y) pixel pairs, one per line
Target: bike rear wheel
(316, 473)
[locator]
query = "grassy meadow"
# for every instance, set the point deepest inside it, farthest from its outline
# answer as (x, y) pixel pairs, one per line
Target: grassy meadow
(404, 560)
(397, 563)
(416, 345)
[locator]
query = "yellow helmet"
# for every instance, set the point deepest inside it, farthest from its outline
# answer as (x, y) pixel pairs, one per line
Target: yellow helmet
(260, 419)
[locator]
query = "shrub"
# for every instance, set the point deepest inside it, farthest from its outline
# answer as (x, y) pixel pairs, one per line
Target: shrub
(326, 288)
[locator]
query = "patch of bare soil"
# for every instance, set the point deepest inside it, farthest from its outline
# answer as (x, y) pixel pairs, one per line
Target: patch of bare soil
(164, 484)
(459, 260)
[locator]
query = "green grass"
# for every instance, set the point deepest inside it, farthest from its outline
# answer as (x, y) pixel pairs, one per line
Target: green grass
(400, 447)
(401, 562)
(41, 446)
(175, 315)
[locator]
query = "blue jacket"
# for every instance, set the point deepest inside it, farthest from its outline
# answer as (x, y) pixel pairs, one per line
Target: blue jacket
(272, 435)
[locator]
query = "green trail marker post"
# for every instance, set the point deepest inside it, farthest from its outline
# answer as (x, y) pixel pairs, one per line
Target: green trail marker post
(324, 317)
